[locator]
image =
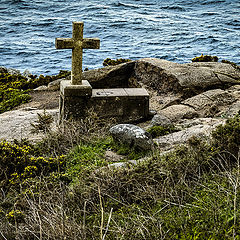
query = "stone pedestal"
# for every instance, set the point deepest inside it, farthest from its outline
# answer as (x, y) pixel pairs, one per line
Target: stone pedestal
(73, 99)
(123, 104)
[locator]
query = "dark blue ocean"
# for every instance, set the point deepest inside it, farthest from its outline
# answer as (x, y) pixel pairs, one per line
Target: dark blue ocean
(175, 30)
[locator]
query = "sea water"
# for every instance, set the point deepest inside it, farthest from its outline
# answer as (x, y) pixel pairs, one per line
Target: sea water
(175, 30)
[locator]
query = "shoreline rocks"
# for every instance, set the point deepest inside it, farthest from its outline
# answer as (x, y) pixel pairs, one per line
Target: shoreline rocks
(178, 93)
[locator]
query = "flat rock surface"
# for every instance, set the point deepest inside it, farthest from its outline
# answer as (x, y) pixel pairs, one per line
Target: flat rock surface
(42, 100)
(16, 124)
(165, 76)
(201, 128)
(179, 111)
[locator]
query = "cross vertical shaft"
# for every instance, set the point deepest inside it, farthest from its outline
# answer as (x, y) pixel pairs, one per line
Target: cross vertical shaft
(77, 34)
(77, 43)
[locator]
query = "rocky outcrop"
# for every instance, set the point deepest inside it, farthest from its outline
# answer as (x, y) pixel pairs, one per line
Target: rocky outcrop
(162, 76)
(160, 120)
(165, 76)
(132, 135)
(211, 103)
(201, 128)
(179, 111)
(214, 92)
(110, 77)
(17, 124)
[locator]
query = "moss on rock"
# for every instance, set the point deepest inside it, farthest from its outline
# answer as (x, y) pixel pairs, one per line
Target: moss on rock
(157, 131)
(205, 58)
(112, 62)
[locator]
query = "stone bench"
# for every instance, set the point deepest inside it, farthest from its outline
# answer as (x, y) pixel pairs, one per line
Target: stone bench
(124, 104)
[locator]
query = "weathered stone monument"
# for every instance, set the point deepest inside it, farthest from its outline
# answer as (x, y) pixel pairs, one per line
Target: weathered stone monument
(77, 95)
(77, 43)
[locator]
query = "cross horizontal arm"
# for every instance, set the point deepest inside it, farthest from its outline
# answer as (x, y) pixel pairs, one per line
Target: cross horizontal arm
(91, 43)
(64, 43)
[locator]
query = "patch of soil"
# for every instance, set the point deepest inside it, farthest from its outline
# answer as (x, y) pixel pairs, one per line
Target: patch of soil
(42, 100)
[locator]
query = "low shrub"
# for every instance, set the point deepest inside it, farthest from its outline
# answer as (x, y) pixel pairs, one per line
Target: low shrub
(112, 62)
(226, 138)
(205, 58)
(190, 193)
(19, 163)
(157, 131)
(14, 88)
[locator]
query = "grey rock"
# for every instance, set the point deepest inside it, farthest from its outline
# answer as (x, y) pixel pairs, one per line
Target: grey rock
(232, 110)
(157, 74)
(55, 85)
(41, 88)
(212, 97)
(132, 135)
(152, 112)
(16, 124)
(161, 120)
(13, 71)
(123, 164)
(110, 77)
(187, 123)
(164, 76)
(3, 70)
(234, 91)
(211, 102)
(200, 130)
(177, 112)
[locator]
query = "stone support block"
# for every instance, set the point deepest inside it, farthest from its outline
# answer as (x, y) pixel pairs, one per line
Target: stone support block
(123, 104)
(73, 99)
(69, 90)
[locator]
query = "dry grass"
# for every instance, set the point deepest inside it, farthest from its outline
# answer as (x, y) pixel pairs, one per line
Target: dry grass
(191, 193)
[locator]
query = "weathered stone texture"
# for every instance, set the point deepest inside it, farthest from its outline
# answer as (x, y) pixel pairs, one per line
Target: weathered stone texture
(123, 104)
(176, 112)
(161, 120)
(77, 43)
(202, 129)
(110, 77)
(165, 76)
(16, 124)
(132, 135)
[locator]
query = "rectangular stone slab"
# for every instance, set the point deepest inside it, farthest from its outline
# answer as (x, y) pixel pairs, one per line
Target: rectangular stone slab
(136, 92)
(115, 92)
(120, 92)
(123, 104)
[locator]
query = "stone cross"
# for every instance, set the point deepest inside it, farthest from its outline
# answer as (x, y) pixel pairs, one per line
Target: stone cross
(77, 43)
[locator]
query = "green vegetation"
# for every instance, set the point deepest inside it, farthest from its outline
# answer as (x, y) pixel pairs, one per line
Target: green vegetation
(61, 187)
(112, 62)
(157, 131)
(130, 153)
(14, 88)
(208, 58)
(226, 138)
(205, 58)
